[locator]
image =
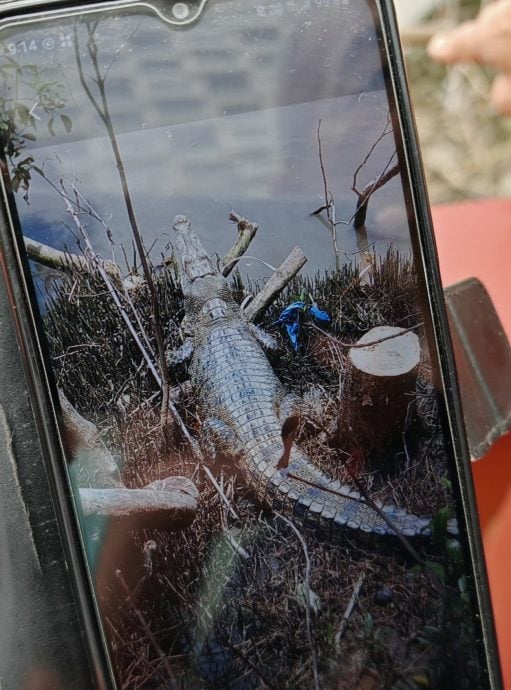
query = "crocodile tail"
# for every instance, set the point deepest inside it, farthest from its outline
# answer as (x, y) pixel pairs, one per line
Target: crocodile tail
(316, 502)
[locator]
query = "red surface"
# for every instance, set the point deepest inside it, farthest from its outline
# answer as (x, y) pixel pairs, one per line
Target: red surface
(474, 240)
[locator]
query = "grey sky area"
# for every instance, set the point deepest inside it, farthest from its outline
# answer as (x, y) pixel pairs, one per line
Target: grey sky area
(223, 115)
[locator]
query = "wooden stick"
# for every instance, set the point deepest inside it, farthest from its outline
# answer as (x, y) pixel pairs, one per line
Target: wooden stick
(347, 614)
(278, 281)
(235, 545)
(246, 233)
(218, 488)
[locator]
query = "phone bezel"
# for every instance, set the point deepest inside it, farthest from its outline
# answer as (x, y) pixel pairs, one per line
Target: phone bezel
(465, 487)
(13, 265)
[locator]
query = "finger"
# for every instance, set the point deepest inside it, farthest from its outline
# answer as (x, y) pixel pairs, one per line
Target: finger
(501, 94)
(461, 45)
(486, 39)
(474, 43)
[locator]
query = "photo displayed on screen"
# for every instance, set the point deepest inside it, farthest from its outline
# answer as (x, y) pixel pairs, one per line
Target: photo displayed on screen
(232, 301)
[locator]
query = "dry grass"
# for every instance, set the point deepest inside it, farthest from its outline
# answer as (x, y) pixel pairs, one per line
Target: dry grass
(220, 605)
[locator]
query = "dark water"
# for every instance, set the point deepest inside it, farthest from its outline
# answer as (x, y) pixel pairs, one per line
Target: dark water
(265, 165)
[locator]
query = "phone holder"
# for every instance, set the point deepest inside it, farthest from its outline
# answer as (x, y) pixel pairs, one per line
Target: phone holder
(483, 362)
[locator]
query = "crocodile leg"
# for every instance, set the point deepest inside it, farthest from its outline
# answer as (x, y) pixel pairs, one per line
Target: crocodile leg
(218, 438)
(267, 341)
(291, 405)
(182, 355)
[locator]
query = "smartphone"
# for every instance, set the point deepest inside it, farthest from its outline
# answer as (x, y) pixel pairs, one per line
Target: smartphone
(219, 255)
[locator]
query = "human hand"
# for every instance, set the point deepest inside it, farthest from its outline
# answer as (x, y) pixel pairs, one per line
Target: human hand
(485, 40)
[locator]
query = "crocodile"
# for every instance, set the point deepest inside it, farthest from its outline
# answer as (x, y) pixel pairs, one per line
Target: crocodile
(244, 407)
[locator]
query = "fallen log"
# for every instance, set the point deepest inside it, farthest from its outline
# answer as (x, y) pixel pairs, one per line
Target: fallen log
(63, 261)
(169, 504)
(276, 283)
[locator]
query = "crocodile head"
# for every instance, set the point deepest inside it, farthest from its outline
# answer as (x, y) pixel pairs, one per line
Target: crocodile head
(195, 263)
(208, 298)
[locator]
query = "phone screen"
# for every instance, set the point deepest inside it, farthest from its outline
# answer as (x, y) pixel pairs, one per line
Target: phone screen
(225, 265)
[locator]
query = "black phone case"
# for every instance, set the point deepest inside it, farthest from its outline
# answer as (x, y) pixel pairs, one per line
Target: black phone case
(42, 643)
(53, 639)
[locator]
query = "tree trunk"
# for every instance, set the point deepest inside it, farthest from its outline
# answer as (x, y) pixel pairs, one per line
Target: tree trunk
(378, 390)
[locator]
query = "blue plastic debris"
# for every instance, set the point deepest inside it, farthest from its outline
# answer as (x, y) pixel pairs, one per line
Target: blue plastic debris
(293, 332)
(319, 315)
(294, 315)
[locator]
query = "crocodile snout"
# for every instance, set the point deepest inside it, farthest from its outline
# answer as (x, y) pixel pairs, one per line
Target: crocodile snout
(195, 263)
(181, 223)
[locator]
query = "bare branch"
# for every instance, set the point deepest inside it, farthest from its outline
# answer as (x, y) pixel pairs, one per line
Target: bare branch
(328, 195)
(220, 492)
(100, 104)
(246, 233)
(364, 346)
(66, 261)
(363, 195)
(278, 281)
(359, 218)
(386, 132)
(347, 614)
(112, 290)
(329, 205)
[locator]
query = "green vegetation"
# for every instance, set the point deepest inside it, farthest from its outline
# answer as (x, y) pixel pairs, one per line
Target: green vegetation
(25, 86)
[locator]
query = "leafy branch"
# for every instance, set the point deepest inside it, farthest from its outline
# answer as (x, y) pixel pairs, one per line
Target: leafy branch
(18, 125)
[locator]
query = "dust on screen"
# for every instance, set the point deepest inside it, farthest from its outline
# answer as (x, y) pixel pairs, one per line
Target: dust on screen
(218, 238)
